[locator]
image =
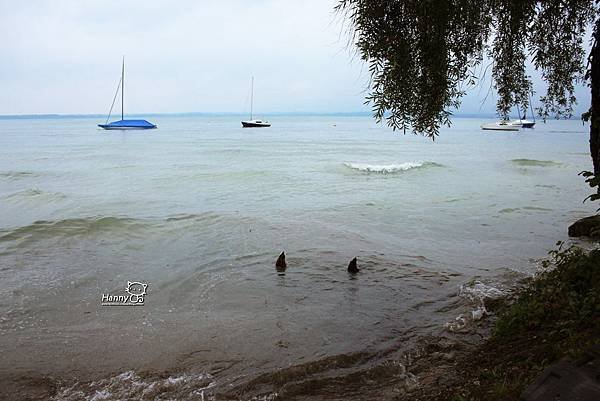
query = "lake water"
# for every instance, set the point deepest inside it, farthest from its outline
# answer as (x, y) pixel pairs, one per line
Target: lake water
(199, 210)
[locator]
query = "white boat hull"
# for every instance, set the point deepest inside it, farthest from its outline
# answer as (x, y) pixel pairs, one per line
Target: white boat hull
(499, 127)
(255, 124)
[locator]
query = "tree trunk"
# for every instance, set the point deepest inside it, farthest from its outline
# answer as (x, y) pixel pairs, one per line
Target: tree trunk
(595, 109)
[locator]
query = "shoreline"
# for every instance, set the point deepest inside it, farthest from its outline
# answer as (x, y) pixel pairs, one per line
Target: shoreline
(468, 363)
(434, 367)
(220, 114)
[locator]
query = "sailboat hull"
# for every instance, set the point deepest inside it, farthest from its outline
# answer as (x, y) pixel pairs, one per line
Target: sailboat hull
(128, 125)
(106, 127)
(499, 127)
(523, 123)
(255, 124)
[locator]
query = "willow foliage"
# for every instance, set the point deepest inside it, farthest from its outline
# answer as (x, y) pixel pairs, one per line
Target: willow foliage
(423, 54)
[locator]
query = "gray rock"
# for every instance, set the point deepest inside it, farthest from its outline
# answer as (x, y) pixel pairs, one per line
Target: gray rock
(586, 227)
(565, 380)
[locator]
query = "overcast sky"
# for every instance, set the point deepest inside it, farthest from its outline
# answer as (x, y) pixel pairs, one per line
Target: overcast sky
(64, 56)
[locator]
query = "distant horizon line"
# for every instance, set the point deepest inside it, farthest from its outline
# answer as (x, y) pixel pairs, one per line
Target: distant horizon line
(219, 113)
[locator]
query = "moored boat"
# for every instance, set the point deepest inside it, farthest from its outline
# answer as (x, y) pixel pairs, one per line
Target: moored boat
(251, 123)
(128, 124)
(499, 126)
(123, 124)
(523, 123)
(255, 124)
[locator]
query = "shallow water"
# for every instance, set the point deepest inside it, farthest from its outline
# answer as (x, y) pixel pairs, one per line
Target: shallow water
(200, 208)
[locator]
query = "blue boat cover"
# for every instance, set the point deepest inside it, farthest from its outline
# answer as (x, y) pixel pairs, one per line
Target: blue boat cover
(129, 123)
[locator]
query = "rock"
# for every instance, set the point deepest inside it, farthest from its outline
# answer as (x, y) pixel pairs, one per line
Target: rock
(568, 380)
(436, 355)
(586, 227)
(280, 265)
(447, 344)
(353, 267)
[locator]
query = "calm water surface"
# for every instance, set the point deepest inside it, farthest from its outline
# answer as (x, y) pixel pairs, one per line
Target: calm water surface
(200, 208)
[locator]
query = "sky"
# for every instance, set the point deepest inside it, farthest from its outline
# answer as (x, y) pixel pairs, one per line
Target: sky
(64, 57)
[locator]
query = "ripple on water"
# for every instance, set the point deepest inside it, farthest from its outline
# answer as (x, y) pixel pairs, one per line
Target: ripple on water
(69, 227)
(524, 209)
(34, 195)
(535, 163)
(16, 175)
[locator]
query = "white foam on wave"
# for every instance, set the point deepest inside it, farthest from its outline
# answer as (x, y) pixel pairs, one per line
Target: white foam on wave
(479, 313)
(388, 168)
(457, 324)
(268, 397)
(477, 291)
(463, 321)
(129, 386)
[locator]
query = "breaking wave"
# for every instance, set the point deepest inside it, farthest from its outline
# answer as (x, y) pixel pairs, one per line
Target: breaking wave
(390, 168)
(478, 291)
(342, 375)
(130, 386)
(478, 294)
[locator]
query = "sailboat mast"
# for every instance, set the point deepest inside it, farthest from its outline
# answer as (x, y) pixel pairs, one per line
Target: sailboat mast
(122, 87)
(251, 97)
(531, 107)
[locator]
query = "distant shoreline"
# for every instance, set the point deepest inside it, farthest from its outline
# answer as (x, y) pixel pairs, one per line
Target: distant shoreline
(219, 114)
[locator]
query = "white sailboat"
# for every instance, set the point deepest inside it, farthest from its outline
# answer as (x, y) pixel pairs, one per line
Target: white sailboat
(252, 123)
(514, 125)
(500, 126)
(524, 122)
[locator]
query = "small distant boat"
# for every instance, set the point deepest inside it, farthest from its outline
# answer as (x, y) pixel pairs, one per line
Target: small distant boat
(523, 123)
(500, 126)
(128, 124)
(254, 123)
(124, 124)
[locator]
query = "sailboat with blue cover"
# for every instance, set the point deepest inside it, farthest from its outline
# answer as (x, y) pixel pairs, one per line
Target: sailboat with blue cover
(123, 124)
